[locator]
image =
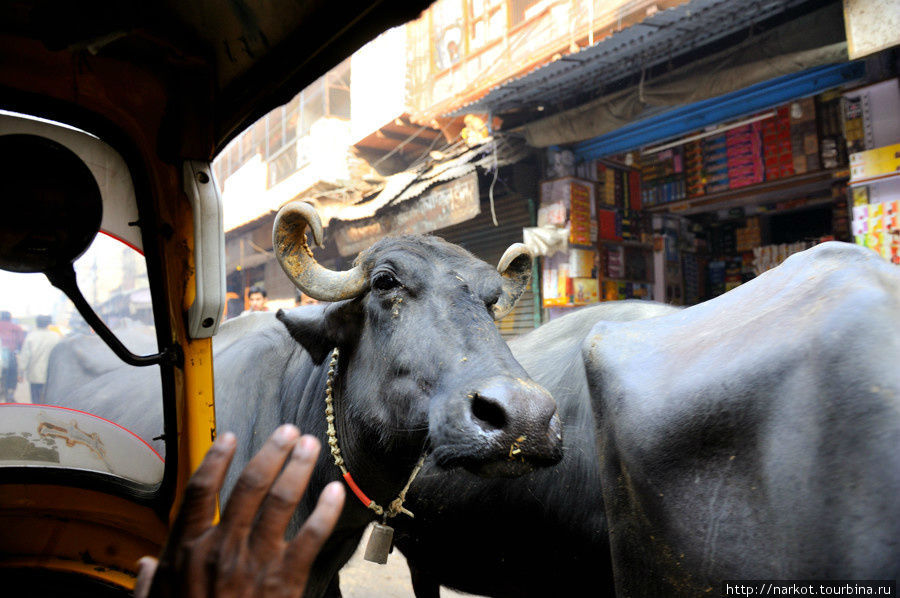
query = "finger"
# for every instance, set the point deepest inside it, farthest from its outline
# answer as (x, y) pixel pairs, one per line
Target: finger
(146, 570)
(198, 508)
(255, 481)
(286, 492)
(316, 529)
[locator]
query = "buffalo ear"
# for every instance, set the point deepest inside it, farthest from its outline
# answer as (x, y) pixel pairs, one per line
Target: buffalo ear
(322, 327)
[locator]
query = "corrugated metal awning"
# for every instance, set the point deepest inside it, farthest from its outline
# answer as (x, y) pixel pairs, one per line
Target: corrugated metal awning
(409, 184)
(814, 39)
(655, 40)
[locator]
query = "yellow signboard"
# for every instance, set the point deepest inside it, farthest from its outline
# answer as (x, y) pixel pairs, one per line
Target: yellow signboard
(875, 163)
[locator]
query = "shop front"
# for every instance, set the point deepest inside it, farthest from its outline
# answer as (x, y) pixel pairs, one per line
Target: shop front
(728, 202)
(707, 174)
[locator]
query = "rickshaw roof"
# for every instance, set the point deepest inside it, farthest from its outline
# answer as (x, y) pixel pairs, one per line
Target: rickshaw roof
(227, 62)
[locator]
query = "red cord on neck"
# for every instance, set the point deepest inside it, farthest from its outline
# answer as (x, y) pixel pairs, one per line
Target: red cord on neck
(356, 490)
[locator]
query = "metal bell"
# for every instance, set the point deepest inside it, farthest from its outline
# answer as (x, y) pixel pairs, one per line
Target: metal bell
(380, 542)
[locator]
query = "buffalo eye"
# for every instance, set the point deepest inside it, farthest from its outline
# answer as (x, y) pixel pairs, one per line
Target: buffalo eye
(384, 281)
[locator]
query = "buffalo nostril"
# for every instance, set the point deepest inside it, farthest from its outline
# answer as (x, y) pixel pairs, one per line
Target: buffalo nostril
(487, 410)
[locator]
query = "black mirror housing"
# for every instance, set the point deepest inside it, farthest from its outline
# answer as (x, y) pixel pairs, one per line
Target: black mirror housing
(51, 204)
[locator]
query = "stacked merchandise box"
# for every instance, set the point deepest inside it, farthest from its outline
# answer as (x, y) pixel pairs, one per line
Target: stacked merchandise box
(581, 201)
(860, 223)
(627, 224)
(555, 280)
(734, 272)
(585, 291)
(716, 277)
(854, 125)
(584, 287)
(606, 185)
(630, 214)
(747, 266)
(804, 136)
(570, 278)
(623, 225)
(559, 197)
(619, 198)
(744, 151)
(609, 225)
(615, 290)
(715, 163)
(634, 226)
(892, 230)
(693, 169)
(776, 134)
(723, 239)
(690, 271)
(832, 148)
(613, 257)
(634, 190)
(840, 218)
(876, 204)
(749, 236)
(877, 226)
(569, 203)
(768, 256)
(662, 177)
(620, 188)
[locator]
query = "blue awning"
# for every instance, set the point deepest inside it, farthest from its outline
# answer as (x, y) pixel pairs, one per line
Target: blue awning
(693, 117)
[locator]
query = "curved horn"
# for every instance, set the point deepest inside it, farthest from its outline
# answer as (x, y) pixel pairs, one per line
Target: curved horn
(297, 261)
(515, 267)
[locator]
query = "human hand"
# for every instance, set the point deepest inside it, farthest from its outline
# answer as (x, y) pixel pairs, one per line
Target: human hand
(245, 554)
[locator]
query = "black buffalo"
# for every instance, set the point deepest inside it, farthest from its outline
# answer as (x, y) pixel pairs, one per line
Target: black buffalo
(757, 435)
(422, 367)
(543, 534)
(80, 357)
(84, 373)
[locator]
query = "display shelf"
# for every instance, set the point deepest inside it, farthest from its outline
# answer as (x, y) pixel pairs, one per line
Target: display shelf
(631, 280)
(767, 192)
(874, 180)
(626, 243)
(567, 305)
(806, 205)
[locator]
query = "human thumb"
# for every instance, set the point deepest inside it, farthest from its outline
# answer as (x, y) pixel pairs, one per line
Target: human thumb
(146, 570)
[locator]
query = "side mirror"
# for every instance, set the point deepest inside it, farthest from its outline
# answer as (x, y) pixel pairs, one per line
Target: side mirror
(51, 204)
(51, 211)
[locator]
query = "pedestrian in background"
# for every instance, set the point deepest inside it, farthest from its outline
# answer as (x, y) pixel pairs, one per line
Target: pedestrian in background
(35, 356)
(257, 300)
(11, 338)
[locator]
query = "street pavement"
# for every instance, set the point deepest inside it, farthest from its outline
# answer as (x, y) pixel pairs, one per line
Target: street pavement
(362, 579)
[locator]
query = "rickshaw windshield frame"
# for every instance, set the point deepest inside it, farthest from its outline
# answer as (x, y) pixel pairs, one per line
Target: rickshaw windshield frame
(158, 496)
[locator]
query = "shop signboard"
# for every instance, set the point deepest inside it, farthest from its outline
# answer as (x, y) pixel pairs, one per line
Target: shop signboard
(875, 163)
(442, 206)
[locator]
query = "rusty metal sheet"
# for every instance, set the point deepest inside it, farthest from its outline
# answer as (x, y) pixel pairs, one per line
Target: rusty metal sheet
(444, 205)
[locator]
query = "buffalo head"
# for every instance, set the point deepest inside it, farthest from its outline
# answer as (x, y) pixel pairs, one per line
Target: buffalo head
(420, 354)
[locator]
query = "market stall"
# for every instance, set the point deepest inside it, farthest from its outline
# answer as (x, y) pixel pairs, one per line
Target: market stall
(688, 219)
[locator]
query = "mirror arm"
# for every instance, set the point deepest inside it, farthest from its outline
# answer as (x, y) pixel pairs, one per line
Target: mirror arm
(63, 278)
